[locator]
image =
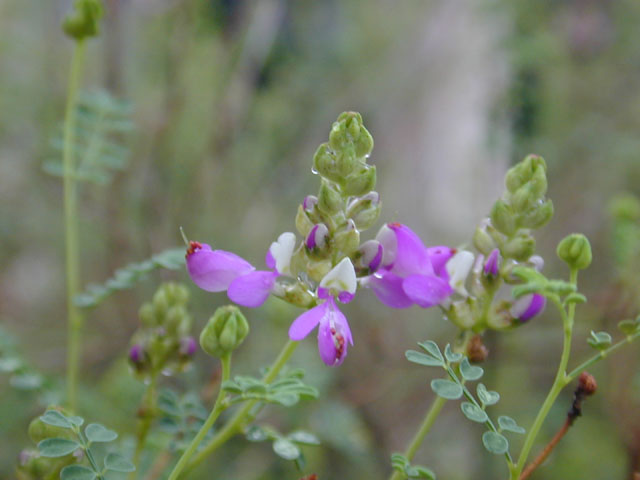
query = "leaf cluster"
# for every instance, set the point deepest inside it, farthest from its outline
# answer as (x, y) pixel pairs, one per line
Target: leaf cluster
(128, 276)
(79, 440)
(401, 464)
(285, 446)
(181, 417)
(102, 123)
(454, 387)
(285, 391)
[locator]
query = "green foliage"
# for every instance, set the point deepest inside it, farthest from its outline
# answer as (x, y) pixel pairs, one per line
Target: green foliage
(470, 372)
(57, 447)
(22, 376)
(629, 327)
(77, 472)
(599, 340)
(285, 446)
(84, 20)
(286, 390)
(101, 124)
(509, 424)
(495, 442)
(536, 282)
(181, 417)
(447, 388)
(127, 277)
(117, 463)
(401, 464)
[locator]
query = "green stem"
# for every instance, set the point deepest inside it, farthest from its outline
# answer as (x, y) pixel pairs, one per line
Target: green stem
(149, 413)
(235, 424)
(218, 407)
(561, 380)
(74, 317)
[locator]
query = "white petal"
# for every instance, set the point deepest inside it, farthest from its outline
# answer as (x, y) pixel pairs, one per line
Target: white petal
(458, 268)
(341, 278)
(387, 238)
(282, 250)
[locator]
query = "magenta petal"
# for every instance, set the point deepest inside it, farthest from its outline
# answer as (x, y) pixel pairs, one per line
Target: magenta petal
(411, 256)
(536, 306)
(252, 290)
(302, 326)
(426, 290)
(439, 256)
(388, 289)
(214, 270)
(333, 336)
(269, 260)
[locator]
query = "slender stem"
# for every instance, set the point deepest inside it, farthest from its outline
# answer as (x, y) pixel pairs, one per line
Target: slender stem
(148, 411)
(561, 380)
(235, 424)
(547, 450)
(217, 409)
(74, 317)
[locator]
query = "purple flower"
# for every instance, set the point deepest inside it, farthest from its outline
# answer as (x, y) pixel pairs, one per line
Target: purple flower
(334, 333)
(410, 272)
(492, 265)
(527, 307)
(136, 354)
(214, 270)
(188, 346)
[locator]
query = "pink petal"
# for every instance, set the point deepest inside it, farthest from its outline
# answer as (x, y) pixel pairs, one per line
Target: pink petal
(439, 256)
(411, 256)
(253, 289)
(302, 326)
(426, 290)
(269, 260)
(214, 270)
(388, 289)
(334, 335)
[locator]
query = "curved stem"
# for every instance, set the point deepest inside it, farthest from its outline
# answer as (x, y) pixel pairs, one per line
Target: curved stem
(236, 422)
(74, 317)
(218, 407)
(561, 380)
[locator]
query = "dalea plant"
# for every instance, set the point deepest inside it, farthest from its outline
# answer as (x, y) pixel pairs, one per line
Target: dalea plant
(497, 285)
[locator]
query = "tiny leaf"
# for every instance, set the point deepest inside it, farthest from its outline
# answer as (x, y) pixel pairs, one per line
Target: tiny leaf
(575, 297)
(599, 340)
(306, 438)
(473, 412)
(470, 372)
(286, 449)
(509, 424)
(420, 472)
(487, 397)
(118, 463)
(495, 443)
(451, 356)
(98, 433)
(423, 359)
(446, 389)
(55, 418)
(432, 349)
(57, 447)
(256, 434)
(628, 327)
(77, 472)
(399, 462)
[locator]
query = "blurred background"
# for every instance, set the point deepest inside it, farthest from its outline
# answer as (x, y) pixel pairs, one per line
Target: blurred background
(229, 101)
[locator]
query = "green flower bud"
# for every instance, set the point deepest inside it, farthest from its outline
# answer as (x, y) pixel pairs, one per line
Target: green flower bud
(539, 216)
(503, 218)
(224, 332)
(147, 317)
(84, 20)
(317, 269)
(461, 313)
(361, 182)
(364, 144)
(364, 210)
(298, 295)
(178, 320)
(329, 199)
(334, 165)
(523, 172)
(520, 248)
(347, 239)
(303, 222)
(575, 250)
(160, 303)
(625, 207)
(482, 240)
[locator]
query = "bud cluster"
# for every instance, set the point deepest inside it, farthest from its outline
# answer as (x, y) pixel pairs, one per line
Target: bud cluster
(84, 20)
(224, 332)
(163, 342)
(346, 204)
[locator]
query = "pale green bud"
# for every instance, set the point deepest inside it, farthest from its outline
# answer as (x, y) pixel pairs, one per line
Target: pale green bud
(461, 313)
(523, 172)
(303, 222)
(364, 144)
(329, 199)
(575, 250)
(333, 165)
(483, 241)
(347, 239)
(364, 210)
(520, 248)
(298, 295)
(503, 218)
(317, 269)
(539, 216)
(147, 317)
(361, 182)
(160, 303)
(224, 332)
(84, 20)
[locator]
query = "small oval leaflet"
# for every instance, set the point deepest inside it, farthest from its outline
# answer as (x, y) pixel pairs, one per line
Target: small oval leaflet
(256, 434)
(99, 433)
(118, 463)
(446, 389)
(599, 340)
(450, 355)
(422, 359)
(487, 397)
(629, 327)
(470, 372)
(432, 349)
(77, 472)
(306, 438)
(286, 449)
(495, 443)
(57, 447)
(509, 424)
(55, 418)
(473, 412)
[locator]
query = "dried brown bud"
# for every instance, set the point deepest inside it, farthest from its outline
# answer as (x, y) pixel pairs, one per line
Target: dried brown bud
(587, 383)
(476, 351)
(313, 476)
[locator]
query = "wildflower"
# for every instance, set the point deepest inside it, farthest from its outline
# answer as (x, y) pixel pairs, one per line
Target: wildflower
(491, 266)
(527, 307)
(333, 329)
(214, 270)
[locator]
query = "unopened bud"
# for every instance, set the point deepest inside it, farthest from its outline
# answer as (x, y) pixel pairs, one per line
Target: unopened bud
(347, 239)
(329, 199)
(587, 383)
(502, 218)
(476, 350)
(224, 332)
(368, 258)
(525, 171)
(84, 20)
(316, 240)
(492, 265)
(364, 210)
(538, 216)
(297, 294)
(361, 182)
(188, 347)
(520, 248)
(147, 318)
(575, 250)
(482, 240)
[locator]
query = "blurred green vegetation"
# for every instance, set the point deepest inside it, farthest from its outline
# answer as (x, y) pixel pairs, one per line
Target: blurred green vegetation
(230, 100)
